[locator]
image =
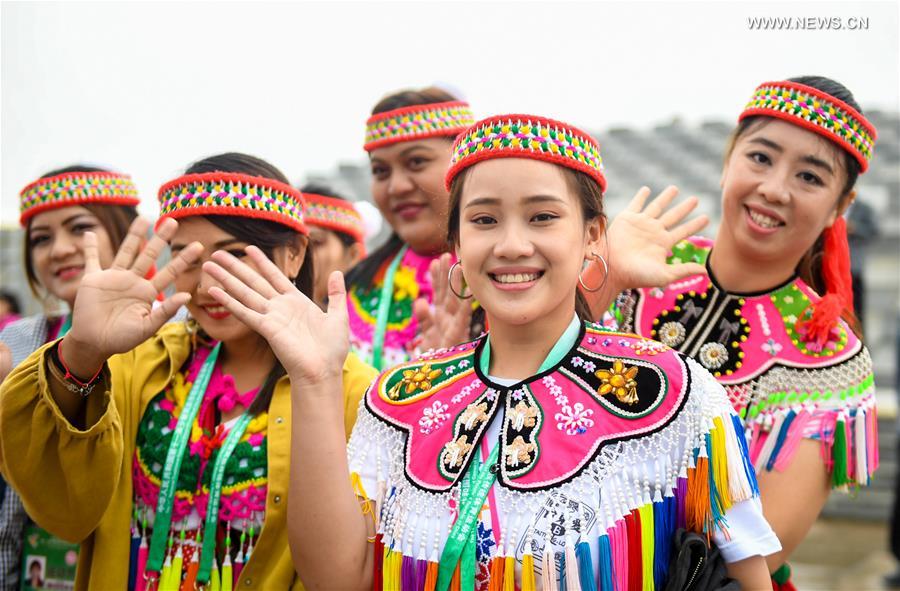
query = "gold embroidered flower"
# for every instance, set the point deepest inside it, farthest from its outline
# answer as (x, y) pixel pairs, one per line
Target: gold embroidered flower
(455, 451)
(415, 379)
(522, 416)
(474, 413)
(619, 380)
(518, 452)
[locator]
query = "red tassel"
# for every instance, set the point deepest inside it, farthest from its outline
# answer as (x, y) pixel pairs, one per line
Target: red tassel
(838, 295)
(635, 563)
(378, 579)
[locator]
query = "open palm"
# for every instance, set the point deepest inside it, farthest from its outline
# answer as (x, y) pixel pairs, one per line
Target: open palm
(445, 322)
(113, 311)
(311, 344)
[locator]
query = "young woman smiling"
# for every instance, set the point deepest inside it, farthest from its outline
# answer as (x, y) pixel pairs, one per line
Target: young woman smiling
(549, 453)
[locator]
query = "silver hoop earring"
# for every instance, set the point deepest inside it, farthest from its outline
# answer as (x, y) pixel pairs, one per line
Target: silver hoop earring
(450, 282)
(605, 276)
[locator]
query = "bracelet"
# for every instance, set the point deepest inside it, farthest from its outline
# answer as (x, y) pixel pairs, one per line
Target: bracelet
(61, 371)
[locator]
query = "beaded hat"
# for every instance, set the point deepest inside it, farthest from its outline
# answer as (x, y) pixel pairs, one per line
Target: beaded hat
(227, 193)
(334, 214)
(417, 122)
(76, 188)
(527, 136)
(818, 112)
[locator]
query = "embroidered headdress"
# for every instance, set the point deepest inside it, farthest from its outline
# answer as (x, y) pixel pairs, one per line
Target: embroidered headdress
(527, 136)
(76, 188)
(227, 193)
(417, 122)
(334, 214)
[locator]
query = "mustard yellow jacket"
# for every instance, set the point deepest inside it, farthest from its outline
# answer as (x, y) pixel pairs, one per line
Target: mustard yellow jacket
(77, 483)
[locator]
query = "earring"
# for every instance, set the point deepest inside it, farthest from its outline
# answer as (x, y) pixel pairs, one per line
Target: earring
(605, 275)
(450, 281)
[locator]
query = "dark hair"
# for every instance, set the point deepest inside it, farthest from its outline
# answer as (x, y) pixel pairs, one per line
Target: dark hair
(589, 195)
(265, 234)
(325, 191)
(12, 301)
(363, 273)
(809, 269)
(115, 219)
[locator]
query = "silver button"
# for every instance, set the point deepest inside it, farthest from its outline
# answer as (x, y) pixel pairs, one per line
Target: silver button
(247, 582)
(277, 499)
(279, 420)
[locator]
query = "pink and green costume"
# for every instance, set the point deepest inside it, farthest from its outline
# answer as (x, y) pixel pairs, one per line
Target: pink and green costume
(786, 385)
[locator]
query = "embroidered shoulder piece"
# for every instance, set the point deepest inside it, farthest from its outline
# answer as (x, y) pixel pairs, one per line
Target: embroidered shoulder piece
(609, 387)
(737, 337)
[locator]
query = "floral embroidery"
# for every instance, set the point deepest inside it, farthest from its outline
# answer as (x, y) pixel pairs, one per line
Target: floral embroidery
(577, 362)
(772, 347)
(518, 394)
(457, 398)
(831, 344)
(574, 420)
(657, 293)
(672, 333)
(713, 355)
(619, 380)
(433, 417)
(455, 451)
(589, 366)
(474, 414)
(518, 452)
(415, 379)
(648, 347)
(523, 415)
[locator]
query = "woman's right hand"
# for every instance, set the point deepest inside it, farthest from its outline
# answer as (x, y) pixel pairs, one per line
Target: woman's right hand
(114, 311)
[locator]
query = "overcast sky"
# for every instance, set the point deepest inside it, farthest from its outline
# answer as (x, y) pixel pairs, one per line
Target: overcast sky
(147, 88)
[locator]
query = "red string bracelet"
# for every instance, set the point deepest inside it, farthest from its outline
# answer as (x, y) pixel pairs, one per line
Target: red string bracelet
(82, 388)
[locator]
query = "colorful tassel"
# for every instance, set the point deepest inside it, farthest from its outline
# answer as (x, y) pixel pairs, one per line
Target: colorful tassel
(141, 573)
(548, 570)
(661, 540)
(681, 500)
(456, 580)
(166, 575)
(215, 579)
(861, 469)
(621, 555)
(749, 472)
(495, 573)
(571, 567)
(840, 472)
(431, 575)
(177, 566)
(648, 541)
(378, 578)
(528, 582)
(605, 567)
(509, 573)
(190, 578)
(586, 566)
(133, 558)
(421, 573)
(227, 571)
(783, 431)
(633, 525)
(697, 506)
(407, 572)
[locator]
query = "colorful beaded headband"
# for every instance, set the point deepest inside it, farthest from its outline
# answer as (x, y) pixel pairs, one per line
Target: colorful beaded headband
(226, 193)
(417, 122)
(818, 112)
(527, 136)
(334, 214)
(76, 188)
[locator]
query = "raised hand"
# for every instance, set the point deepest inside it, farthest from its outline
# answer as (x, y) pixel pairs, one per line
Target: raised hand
(113, 311)
(445, 322)
(311, 344)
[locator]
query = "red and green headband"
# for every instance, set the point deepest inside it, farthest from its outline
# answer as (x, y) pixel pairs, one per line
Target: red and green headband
(417, 122)
(334, 214)
(527, 136)
(818, 112)
(226, 193)
(76, 188)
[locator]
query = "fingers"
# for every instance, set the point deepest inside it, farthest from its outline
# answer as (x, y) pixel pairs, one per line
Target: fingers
(245, 274)
(132, 244)
(422, 312)
(679, 212)
(637, 202)
(337, 295)
(241, 312)
(165, 276)
(662, 201)
(236, 288)
(682, 271)
(270, 271)
(148, 256)
(91, 256)
(161, 314)
(689, 228)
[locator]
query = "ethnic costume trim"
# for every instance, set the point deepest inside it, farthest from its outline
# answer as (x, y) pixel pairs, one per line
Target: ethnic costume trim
(571, 475)
(76, 188)
(334, 214)
(220, 193)
(527, 136)
(756, 345)
(417, 122)
(818, 112)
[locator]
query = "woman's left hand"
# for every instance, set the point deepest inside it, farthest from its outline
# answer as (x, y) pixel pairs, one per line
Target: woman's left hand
(445, 322)
(311, 344)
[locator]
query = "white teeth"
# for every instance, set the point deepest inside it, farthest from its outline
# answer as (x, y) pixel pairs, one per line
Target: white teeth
(764, 220)
(516, 277)
(215, 309)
